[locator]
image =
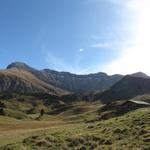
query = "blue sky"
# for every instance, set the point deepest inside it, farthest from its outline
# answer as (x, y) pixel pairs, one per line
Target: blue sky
(80, 36)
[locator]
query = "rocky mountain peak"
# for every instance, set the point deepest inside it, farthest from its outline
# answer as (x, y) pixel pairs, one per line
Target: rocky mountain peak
(18, 65)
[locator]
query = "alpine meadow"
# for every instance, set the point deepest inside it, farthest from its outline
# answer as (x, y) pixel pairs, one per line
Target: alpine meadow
(74, 75)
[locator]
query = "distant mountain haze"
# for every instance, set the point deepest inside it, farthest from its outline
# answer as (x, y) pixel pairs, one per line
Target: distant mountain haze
(140, 74)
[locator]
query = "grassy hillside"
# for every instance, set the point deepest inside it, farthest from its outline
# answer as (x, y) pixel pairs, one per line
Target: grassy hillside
(77, 126)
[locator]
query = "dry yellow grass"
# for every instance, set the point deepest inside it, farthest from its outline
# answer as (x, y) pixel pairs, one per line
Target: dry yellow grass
(12, 130)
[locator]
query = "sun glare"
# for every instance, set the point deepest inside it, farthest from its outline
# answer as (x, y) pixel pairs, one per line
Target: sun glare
(136, 57)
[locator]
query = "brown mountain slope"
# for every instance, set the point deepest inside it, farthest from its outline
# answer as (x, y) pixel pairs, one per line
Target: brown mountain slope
(22, 81)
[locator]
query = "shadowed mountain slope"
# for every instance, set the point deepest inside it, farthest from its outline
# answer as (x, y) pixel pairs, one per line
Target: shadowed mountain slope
(128, 87)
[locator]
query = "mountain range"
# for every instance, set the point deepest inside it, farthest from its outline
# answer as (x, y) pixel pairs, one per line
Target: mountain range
(19, 77)
(47, 80)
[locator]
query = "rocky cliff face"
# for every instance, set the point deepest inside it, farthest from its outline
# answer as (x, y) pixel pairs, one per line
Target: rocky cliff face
(81, 83)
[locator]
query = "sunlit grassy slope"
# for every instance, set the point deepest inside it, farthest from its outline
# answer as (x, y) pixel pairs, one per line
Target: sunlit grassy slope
(77, 126)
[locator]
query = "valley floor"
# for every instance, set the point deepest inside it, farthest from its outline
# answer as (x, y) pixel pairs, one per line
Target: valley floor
(80, 130)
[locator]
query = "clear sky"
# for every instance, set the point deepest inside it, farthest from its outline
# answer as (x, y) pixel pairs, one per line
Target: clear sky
(80, 36)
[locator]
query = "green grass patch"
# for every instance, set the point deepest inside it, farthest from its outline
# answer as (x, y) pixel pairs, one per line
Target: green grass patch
(129, 131)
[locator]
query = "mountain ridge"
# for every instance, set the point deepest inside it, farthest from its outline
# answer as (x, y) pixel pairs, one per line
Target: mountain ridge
(69, 81)
(21, 78)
